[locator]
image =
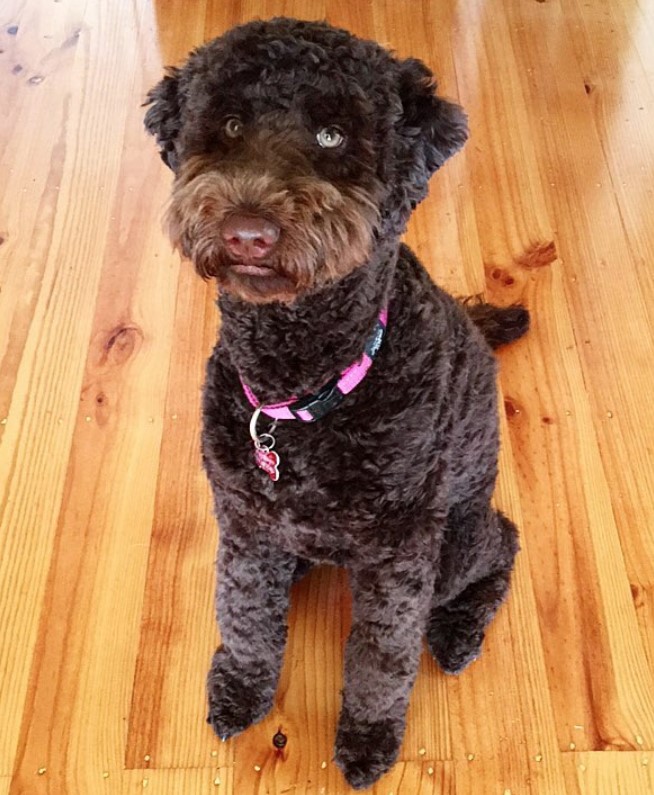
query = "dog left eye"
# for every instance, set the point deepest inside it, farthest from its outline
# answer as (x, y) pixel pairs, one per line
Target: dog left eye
(330, 137)
(233, 127)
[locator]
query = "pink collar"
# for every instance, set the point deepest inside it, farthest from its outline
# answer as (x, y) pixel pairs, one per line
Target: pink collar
(314, 407)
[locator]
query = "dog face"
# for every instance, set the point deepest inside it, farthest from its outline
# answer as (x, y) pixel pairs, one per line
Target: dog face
(295, 147)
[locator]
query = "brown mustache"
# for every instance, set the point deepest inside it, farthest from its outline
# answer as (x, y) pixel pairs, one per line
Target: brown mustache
(326, 231)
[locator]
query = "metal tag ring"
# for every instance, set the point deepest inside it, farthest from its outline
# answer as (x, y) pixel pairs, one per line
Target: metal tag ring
(260, 444)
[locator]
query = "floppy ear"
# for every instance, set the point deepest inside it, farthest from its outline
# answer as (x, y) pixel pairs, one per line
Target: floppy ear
(442, 126)
(163, 117)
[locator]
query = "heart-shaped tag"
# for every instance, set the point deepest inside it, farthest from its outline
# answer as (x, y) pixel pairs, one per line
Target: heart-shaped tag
(268, 460)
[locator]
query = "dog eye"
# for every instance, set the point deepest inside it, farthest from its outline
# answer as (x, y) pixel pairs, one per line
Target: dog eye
(233, 127)
(330, 137)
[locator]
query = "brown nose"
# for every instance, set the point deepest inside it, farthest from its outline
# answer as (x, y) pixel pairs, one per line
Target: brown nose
(249, 237)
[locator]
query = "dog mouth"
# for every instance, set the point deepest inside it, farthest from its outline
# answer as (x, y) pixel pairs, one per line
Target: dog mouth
(256, 281)
(249, 268)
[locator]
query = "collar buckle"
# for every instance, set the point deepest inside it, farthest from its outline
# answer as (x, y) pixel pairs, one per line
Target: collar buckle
(314, 407)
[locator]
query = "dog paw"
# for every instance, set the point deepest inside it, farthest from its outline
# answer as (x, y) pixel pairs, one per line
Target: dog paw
(236, 699)
(365, 751)
(455, 649)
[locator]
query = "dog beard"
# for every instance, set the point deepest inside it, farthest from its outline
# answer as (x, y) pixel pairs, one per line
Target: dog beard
(326, 232)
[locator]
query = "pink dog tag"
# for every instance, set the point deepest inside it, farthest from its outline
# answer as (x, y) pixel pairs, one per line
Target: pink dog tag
(268, 460)
(264, 456)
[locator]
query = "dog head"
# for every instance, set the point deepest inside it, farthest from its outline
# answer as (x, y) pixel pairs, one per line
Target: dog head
(295, 147)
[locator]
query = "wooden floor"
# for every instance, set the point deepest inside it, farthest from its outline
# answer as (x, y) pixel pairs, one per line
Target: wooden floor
(108, 542)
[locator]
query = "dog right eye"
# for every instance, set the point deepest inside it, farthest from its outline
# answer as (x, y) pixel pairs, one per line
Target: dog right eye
(330, 137)
(233, 127)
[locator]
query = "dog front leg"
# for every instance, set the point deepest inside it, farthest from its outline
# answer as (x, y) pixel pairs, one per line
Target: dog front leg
(390, 609)
(252, 597)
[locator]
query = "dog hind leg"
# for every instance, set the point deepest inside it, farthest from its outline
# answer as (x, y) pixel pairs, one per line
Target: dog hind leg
(456, 628)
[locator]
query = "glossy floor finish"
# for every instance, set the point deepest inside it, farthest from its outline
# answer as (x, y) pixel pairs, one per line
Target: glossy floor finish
(108, 542)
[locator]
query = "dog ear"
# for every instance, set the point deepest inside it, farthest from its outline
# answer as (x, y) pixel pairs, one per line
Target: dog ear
(442, 125)
(163, 117)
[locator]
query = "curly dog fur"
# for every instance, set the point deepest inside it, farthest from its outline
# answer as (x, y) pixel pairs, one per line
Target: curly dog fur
(325, 143)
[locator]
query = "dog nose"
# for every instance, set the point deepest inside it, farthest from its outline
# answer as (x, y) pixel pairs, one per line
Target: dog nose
(250, 237)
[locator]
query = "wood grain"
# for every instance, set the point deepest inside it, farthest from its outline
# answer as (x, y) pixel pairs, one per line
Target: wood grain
(609, 773)
(108, 538)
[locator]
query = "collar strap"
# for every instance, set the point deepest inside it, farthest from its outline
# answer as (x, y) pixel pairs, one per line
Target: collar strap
(313, 407)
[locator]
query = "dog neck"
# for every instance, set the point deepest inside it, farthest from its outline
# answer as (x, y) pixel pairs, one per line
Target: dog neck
(283, 350)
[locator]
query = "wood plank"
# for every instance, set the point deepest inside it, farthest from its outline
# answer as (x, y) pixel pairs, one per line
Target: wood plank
(406, 778)
(513, 224)
(619, 88)
(359, 18)
(266, 9)
(105, 779)
(175, 41)
(605, 275)
(609, 773)
(579, 571)
(92, 606)
(216, 780)
(82, 674)
(44, 401)
(31, 169)
(601, 278)
(510, 776)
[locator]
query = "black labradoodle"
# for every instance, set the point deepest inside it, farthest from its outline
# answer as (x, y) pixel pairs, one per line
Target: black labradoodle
(299, 152)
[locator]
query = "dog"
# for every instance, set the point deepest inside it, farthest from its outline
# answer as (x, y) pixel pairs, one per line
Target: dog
(350, 407)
